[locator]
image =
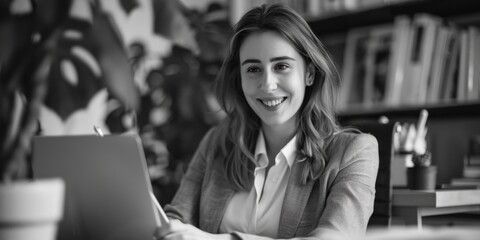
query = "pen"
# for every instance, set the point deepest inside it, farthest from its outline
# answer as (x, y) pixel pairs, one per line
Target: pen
(163, 216)
(98, 130)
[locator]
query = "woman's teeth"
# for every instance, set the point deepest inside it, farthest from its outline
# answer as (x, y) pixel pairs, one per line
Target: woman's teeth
(273, 103)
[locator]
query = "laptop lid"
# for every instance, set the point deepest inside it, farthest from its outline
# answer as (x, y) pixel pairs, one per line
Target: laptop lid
(107, 185)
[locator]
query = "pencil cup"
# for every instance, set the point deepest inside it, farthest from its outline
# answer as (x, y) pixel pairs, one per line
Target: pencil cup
(422, 177)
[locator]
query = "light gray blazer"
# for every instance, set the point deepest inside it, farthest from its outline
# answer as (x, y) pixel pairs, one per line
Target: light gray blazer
(339, 202)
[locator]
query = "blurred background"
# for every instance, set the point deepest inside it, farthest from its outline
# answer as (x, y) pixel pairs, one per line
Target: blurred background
(147, 66)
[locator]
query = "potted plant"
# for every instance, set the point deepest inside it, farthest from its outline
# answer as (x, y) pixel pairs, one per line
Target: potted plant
(35, 37)
(423, 175)
(28, 209)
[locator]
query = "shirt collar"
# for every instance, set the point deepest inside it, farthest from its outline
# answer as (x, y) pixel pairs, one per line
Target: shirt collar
(288, 151)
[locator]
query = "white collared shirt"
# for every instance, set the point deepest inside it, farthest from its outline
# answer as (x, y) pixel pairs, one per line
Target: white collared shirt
(258, 211)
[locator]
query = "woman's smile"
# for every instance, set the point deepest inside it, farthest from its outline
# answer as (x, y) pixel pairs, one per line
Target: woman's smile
(272, 103)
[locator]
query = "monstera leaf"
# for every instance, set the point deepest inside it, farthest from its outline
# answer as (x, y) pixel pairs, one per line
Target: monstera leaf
(66, 48)
(90, 57)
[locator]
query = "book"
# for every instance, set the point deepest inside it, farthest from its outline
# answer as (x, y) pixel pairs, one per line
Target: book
(471, 171)
(459, 187)
(473, 88)
(401, 42)
(438, 64)
(414, 89)
(463, 67)
(465, 181)
(449, 71)
(437, 198)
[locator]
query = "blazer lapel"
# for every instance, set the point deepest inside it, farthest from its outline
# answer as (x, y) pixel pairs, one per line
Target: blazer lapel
(296, 197)
(219, 194)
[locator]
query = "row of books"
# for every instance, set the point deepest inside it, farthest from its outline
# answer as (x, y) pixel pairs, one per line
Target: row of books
(313, 8)
(416, 60)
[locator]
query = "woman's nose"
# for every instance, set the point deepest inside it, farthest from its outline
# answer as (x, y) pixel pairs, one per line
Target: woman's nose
(269, 82)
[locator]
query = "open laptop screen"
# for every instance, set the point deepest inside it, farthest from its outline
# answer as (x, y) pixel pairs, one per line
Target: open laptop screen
(107, 185)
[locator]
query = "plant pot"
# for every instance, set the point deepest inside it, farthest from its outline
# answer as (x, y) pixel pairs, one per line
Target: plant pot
(422, 178)
(31, 209)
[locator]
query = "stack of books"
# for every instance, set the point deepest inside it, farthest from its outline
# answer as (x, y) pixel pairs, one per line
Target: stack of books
(471, 168)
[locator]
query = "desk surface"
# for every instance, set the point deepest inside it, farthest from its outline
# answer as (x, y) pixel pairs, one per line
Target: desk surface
(435, 198)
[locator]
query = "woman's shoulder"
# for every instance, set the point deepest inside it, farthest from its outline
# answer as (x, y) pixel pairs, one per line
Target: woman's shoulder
(348, 147)
(351, 141)
(351, 135)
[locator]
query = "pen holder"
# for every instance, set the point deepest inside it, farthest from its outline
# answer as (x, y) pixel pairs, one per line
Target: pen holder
(422, 177)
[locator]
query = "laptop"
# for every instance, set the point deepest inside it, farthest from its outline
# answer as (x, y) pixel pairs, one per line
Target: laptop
(108, 190)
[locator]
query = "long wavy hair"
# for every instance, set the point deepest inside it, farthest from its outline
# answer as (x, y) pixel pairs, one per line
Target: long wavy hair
(316, 121)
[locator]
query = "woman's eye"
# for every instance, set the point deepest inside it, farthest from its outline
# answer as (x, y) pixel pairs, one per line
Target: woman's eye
(253, 69)
(281, 67)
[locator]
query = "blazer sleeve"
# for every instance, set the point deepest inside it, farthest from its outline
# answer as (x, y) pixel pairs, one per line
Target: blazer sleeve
(185, 204)
(350, 200)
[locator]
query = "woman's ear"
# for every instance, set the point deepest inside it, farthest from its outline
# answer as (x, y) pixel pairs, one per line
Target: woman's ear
(310, 74)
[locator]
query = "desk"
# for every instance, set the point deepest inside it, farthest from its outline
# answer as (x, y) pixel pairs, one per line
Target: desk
(411, 206)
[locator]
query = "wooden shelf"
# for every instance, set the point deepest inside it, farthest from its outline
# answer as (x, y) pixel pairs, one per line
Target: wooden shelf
(438, 111)
(341, 22)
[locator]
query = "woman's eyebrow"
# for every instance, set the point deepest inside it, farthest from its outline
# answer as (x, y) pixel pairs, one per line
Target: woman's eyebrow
(281, 58)
(271, 60)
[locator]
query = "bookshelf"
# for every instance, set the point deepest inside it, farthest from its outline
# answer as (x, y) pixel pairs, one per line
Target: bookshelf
(339, 26)
(450, 123)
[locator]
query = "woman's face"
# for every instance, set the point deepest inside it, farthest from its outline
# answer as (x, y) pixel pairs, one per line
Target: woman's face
(273, 77)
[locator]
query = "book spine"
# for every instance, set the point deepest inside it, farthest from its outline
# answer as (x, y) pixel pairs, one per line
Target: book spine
(463, 67)
(472, 79)
(438, 64)
(399, 54)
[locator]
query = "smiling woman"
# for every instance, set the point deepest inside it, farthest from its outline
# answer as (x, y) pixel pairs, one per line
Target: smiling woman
(279, 165)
